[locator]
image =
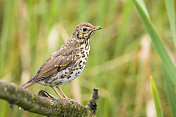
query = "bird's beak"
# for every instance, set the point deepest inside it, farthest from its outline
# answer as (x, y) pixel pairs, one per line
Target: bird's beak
(97, 28)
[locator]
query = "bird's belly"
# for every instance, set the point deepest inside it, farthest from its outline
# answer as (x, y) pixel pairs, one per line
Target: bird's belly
(70, 73)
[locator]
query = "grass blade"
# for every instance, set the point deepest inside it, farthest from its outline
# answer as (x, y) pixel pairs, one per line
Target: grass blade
(123, 27)
(6, 32)
(156, 98)
(170, 93)
(157, 43)
(171, 16)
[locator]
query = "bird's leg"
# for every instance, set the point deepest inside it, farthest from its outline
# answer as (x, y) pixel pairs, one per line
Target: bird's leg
(65, 97)
(61, 92)
(60, 97)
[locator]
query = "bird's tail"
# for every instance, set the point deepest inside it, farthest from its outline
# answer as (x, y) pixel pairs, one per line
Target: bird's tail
(28, 84)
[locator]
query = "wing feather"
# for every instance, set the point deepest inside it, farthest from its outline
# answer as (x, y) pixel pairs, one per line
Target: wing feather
(58, 61)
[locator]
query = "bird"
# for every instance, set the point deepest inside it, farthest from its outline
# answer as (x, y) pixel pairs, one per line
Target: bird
(65, 64)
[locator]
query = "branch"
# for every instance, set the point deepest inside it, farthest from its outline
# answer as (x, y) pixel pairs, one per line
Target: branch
(46, 104)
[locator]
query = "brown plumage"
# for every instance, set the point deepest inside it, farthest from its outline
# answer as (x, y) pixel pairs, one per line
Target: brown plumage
(67, 62)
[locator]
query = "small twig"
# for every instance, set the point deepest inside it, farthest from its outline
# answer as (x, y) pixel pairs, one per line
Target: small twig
(44, 105)
(93, 102)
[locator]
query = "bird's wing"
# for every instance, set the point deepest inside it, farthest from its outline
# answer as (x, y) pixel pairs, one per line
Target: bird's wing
(57, 62)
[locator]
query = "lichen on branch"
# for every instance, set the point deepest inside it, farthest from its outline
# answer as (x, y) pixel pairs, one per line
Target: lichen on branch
(44, 105)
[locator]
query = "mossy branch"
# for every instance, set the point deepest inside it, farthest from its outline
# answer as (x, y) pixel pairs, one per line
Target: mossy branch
(44, 105)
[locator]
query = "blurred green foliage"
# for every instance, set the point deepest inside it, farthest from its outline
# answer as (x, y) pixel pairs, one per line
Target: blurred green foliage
(121, 58)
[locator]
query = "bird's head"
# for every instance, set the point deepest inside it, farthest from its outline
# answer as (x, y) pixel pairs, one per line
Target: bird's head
(84, 31)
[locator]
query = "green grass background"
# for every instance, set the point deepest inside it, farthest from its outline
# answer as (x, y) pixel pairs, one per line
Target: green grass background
(122, 55)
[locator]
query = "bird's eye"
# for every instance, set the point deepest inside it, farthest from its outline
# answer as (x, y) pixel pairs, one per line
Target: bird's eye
(84, 29)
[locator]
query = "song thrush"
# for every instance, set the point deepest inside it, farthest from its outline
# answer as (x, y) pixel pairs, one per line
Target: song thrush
(67, 62)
